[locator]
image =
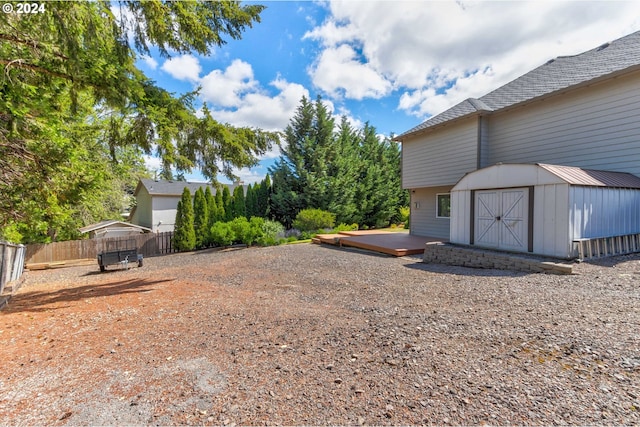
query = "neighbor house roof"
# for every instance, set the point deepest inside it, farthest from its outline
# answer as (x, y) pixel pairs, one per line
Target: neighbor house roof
(558, 74)
(112, 223)
(172, 188)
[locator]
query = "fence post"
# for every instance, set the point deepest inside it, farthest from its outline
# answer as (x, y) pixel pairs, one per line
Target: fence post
(3, 254)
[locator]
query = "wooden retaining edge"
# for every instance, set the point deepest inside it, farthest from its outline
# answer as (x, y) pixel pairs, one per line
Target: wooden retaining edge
(60, 264)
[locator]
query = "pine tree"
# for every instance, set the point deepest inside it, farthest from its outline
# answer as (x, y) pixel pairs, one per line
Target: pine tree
(238, 207)
(226, 203)
(220, 212)
(184, 237)
(250, 201)
(200, 218)
(212, 212)
(263, 193)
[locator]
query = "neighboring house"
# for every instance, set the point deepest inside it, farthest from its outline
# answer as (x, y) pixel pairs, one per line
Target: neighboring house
(157, 202)
(580, 111)
(113, 228)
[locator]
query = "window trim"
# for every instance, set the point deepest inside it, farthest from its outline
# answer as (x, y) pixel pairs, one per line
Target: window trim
(438, 195)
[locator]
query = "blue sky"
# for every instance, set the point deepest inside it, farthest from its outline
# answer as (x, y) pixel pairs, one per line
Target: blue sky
(391, 63)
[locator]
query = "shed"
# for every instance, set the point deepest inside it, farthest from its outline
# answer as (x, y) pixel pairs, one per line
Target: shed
(113, 228)
(544, 209)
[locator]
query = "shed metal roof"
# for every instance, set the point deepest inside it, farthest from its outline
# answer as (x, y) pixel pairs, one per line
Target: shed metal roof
(593, 178)
(557, 74)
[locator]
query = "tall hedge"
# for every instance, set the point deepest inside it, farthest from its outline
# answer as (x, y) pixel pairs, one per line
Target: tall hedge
(184, 237)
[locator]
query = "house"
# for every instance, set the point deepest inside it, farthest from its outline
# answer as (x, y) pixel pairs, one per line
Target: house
(532, 148)
(113, 228)
(157, 202)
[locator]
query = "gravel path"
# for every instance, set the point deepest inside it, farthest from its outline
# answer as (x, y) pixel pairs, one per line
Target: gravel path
(308, 334)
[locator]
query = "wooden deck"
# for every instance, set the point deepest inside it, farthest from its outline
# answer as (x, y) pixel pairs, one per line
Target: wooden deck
(387, 242)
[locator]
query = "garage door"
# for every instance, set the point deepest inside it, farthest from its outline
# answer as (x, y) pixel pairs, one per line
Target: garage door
(501, 219)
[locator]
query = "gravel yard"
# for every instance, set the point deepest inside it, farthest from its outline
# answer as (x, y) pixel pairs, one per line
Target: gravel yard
(308, 334)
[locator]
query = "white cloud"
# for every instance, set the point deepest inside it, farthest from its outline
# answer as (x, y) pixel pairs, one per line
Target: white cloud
(339, 70)
(226, 88)
(151, 63)
(259, 109)
(185, 67)
(431, 52)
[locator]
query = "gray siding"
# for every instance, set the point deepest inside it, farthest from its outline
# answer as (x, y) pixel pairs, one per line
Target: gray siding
(597, 127)
(423, 217)
(440, 157)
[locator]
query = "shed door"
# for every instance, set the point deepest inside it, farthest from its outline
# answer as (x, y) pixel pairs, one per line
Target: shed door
(501, 218)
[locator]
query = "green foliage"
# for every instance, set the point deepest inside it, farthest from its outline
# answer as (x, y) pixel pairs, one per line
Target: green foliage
(184, 237)
(76, 115)
(314, 220)
(238, 208)
(271, 232)
(404, 213)
(345, 227)
(247, 231)
(220, 214)
(226, 203)
(263, 192)
(354, 174)
(222, 234)
(201, 218)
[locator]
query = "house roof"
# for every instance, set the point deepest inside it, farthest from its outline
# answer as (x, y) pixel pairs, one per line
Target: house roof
(111, 223)
(174, 188)
(558, 74)
(593, 178)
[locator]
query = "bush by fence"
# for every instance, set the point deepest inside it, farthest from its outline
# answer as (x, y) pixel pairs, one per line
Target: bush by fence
(11, 263)
(148, 244)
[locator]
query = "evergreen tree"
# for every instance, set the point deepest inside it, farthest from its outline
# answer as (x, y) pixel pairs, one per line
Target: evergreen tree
(263, 193)
(250, 201)
(220, 212)
(74, 107)
(238, 207)
(226, 203)
(212, 212)
(353, 174)
(301, 175)
(200, 218)
(184, 237)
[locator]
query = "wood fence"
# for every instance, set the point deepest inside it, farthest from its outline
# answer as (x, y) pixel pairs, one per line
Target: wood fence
(148, 244)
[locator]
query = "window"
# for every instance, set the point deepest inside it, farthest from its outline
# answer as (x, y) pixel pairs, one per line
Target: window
(443, 208)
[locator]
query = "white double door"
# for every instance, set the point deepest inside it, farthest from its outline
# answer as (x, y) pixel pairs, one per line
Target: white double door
(501, 219)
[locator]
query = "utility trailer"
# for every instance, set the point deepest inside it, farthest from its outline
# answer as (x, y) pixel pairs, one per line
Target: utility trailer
(119, 252)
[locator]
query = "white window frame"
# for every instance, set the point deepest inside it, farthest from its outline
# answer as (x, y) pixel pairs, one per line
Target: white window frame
(438, 195)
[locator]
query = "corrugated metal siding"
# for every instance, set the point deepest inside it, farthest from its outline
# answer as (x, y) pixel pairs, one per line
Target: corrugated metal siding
(603, 212)
(595, 128)
(423, 219)
(441, 157)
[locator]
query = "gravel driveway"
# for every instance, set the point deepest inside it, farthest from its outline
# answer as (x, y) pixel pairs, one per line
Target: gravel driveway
(308, 334)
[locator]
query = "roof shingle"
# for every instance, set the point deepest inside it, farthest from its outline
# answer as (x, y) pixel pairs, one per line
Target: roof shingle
(557, 74)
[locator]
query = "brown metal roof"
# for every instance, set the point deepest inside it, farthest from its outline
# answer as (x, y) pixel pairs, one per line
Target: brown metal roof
(593, 178)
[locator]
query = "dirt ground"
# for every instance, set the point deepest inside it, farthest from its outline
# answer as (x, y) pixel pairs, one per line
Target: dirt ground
(307, 334)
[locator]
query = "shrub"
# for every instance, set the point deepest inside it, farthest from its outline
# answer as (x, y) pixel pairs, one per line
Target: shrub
(184, 236)
(271, 230)
(313, 220)
(404, 214)
(222, 234)
(346, 227)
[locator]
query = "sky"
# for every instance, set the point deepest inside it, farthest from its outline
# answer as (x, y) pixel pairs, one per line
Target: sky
(392, 64)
